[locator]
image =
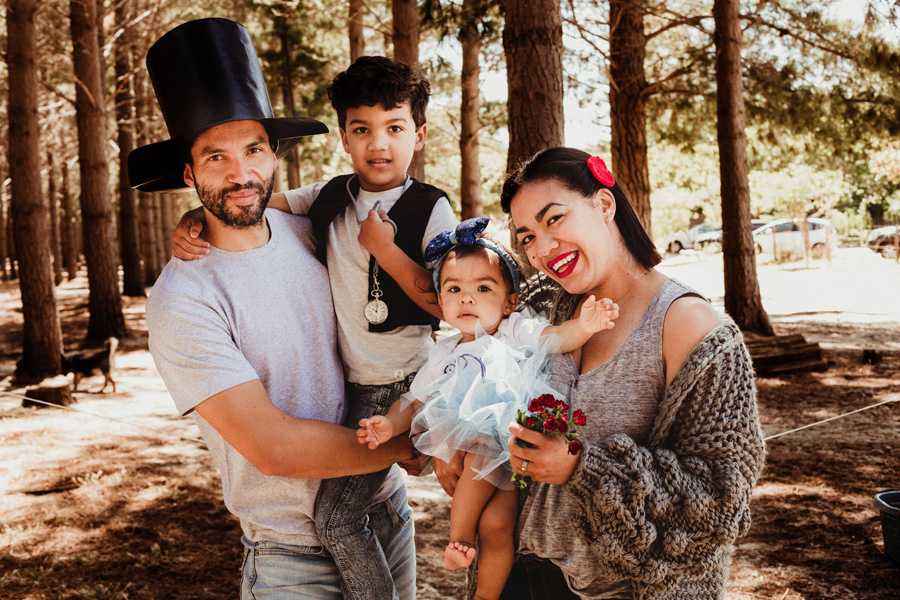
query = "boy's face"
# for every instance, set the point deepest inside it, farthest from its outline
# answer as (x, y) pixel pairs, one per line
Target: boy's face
(381, 144)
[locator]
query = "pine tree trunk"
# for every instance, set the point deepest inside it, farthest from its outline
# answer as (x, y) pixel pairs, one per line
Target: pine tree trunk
(291, 164)
(160, 235)
(628, 103)
(470, 122)
(41, 336)
(148, 239)
(68, 228)
(11, 242)
(4, 272)
(532, 42)
(742, 297)
(167, 203)
(129, 232)
(405, 34)
(355, 29)
(55, 247)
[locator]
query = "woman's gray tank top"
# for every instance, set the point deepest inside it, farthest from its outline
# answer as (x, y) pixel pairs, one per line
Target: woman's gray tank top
(621, 395)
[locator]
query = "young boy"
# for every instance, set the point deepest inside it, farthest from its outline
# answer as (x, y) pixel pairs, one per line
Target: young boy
(372, 228)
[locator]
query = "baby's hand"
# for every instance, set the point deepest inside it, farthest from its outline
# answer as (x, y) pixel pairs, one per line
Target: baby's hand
(375, 431)
(597, 315)
(186, 241)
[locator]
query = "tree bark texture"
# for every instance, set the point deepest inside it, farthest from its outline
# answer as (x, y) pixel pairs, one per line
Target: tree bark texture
(68, 230)
(532, 42)
(104, 300)
(129, 228)
(470, 122)
(355, 29)
(628, 103)
(149, 239)
(742, 298)
(405, 33)
(4, 272)
(291, 162)
(53, 203)
(41, 336)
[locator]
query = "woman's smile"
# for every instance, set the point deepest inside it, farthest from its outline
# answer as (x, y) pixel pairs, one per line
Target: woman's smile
(563, 264)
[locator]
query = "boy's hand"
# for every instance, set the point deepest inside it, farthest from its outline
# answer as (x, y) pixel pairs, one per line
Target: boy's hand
(375, 431)
(375, 232)
(186, 241)
(597, 315)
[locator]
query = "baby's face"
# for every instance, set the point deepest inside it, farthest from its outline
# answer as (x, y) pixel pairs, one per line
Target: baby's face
(474, 293)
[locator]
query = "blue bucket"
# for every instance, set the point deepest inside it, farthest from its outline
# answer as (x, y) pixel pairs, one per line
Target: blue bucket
(889, 505)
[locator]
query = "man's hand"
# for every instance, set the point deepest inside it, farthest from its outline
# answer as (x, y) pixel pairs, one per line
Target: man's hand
(375, 431)
(448, 474)
(186, 242)
(597, 315)
(375, 233)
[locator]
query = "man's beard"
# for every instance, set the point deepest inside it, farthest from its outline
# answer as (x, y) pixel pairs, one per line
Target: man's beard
(238, 217)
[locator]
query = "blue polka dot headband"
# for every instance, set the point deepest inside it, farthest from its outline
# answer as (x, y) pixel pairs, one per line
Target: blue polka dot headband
(468, 233)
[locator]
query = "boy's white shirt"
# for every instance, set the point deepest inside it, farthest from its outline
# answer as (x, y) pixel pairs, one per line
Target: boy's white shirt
(369, 358)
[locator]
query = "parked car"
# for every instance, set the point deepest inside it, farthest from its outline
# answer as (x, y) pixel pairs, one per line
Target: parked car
(884, 240)
(786, 236)
(686, 239)
(712, 241)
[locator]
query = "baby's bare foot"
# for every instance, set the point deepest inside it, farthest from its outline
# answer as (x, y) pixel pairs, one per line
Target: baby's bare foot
(458, 555)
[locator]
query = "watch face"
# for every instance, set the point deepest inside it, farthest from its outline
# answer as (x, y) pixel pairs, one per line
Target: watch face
(376, 312)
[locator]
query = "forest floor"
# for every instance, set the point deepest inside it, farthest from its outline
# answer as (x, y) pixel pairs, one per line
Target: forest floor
(93, 508)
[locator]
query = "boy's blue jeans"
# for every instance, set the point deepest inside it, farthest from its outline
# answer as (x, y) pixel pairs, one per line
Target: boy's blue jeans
(342, 504)
(282, 572)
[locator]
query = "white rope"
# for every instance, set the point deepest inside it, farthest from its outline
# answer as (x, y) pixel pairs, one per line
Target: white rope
(84, 412)
(847, 414)
(190, 439)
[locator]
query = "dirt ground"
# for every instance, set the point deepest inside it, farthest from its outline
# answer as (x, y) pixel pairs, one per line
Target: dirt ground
(107, 509)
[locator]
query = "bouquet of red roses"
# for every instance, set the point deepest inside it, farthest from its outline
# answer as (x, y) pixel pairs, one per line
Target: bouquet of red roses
(547, 414)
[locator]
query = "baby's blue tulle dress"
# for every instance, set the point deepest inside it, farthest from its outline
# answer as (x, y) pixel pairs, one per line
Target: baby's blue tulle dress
(472, 405)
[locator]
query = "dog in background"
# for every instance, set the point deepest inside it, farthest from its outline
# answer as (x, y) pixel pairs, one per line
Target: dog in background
(85, 363)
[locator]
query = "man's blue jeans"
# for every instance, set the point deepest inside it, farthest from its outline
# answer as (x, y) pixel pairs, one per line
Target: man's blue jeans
(281, 572)
(342, 503)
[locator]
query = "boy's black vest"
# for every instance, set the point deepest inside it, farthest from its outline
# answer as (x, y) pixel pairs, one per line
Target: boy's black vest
(411, 213)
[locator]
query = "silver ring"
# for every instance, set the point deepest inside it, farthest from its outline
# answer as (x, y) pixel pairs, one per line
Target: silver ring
(524, 465)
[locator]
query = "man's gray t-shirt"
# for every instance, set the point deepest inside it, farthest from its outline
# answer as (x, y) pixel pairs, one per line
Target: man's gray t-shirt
(233, 317)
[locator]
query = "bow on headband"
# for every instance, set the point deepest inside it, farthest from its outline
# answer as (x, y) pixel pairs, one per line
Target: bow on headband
(467, 233)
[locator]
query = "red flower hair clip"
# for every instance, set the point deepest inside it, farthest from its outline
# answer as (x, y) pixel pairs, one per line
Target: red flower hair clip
(598, 168)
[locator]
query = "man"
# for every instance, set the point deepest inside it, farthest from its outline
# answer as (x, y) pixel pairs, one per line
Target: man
(245, 339)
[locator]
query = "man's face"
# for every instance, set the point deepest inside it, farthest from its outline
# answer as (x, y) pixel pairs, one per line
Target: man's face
(233, 172)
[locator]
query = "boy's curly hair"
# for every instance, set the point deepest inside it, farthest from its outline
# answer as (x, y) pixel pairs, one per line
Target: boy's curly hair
(372, 80)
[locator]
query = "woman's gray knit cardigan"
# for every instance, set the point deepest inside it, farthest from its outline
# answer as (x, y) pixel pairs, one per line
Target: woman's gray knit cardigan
(666, 515)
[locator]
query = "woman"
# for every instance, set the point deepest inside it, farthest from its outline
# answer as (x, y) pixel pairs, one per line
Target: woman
(651, 506)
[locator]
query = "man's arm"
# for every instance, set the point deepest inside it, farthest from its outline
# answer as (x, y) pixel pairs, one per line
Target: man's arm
(281, 445)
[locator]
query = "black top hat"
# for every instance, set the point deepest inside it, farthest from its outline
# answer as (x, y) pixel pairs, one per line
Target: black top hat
(206, 73)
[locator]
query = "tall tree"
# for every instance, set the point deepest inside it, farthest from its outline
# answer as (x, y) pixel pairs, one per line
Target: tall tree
(129, 232)
(470, 109)
(405, 36)
(628, 103)
(41, 336)
(104, 300)
(52, 197)
(355, 29)
(4, 273)
(742, 298)
(532, 42)
(68, 227)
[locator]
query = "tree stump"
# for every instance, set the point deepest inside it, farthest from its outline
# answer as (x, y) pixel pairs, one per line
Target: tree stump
(55, 390)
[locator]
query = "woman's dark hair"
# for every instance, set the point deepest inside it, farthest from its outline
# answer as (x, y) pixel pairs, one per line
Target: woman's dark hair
(569, 167)
(372, 80)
